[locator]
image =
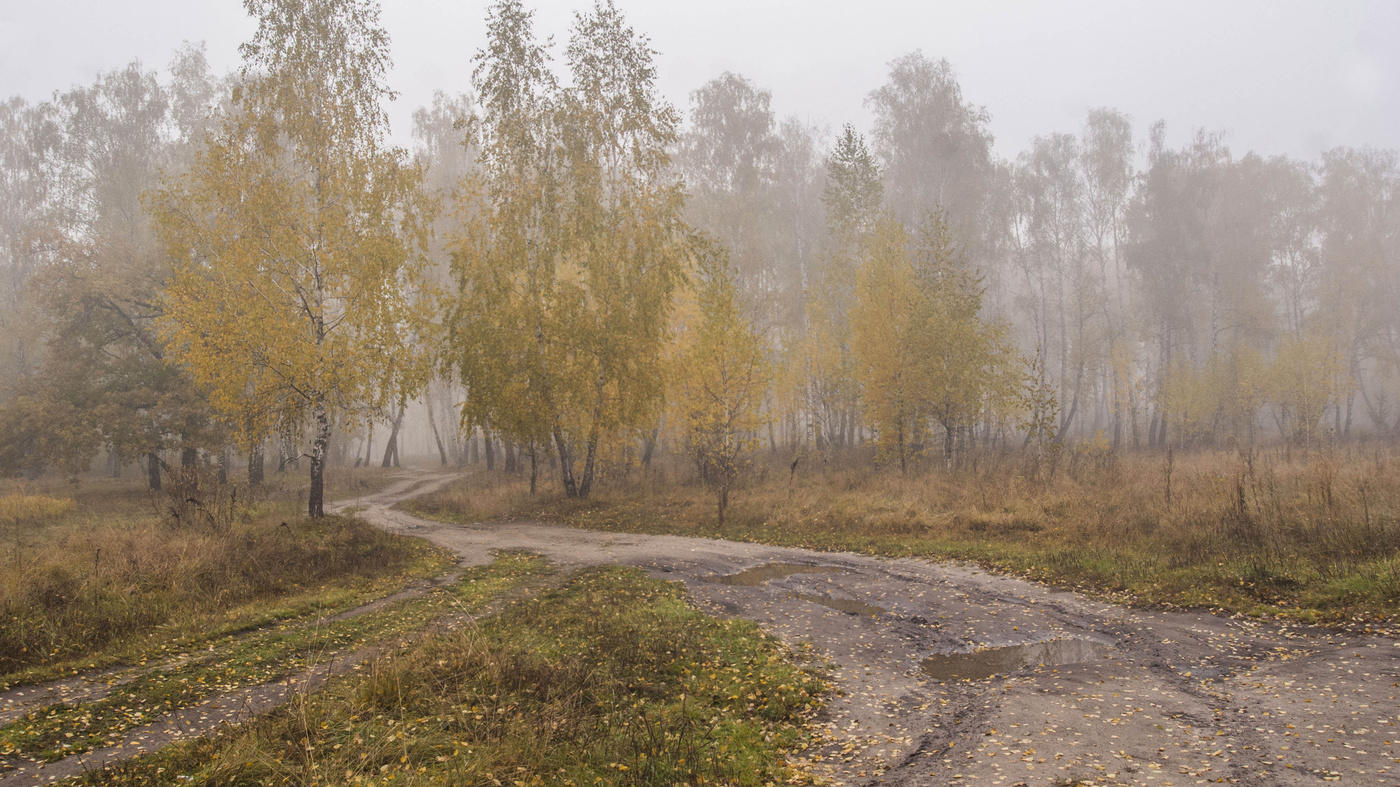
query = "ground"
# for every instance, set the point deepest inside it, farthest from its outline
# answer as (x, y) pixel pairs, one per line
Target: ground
(1079, 691)
(942, 673)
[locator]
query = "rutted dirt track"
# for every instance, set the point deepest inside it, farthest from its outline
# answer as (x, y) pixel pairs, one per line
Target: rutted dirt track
(1095, 692)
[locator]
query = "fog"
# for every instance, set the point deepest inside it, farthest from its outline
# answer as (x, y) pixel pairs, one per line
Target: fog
(434, 371)
(1156, 226)
(1290, 78)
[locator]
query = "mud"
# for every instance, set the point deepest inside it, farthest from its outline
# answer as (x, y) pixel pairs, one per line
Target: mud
(847, 605)
(991, 662)
(1163, 698)
(753, 577)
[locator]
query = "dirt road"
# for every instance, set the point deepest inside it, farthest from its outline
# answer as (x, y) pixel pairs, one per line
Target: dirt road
(947, 674)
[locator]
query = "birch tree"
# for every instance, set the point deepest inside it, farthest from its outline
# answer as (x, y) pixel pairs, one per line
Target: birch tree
(924, 356)
(852, 199)
(720, 377)
(567, 275)
(296, 232)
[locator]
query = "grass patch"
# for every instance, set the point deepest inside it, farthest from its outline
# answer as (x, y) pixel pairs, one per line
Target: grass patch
(261, 657)
(612, 678)
(1313, 538)
(116, 577)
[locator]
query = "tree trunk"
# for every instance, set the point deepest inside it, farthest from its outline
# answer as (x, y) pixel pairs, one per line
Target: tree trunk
(490, 446)
(189, 457)
(223, 466)
(432, 424)
(534, 468)
(391, 450)
(511, 465)
(315, 499)
(566, 464)
(388, 459)
(153, 471)
(723, 502)
(1073, 407)
(586, 485)
(649, 447)
(255, 465)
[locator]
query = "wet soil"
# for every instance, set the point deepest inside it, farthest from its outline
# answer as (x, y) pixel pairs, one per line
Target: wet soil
(847, 605)
(753, 577)
(1009, 659)
(955, 675)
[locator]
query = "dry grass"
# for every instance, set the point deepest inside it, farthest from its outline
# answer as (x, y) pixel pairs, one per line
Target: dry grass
(1315, 537)
(19, 509)
(121, 564)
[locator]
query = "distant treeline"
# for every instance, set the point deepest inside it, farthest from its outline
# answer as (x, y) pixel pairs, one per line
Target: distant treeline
(195, 263)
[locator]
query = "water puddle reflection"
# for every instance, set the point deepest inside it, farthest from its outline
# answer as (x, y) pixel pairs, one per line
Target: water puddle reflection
(848, 605)
(989, 662)
(751, 577)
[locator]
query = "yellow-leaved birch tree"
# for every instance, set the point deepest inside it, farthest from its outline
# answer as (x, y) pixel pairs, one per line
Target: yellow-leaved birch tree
(720, 377)
(884, 330)
(566, 274)
(924, 356)
(297, 232)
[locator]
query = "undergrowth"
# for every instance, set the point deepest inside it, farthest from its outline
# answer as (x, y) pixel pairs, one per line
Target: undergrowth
(114, 567)
(259, 657)
(612, 678)
(1313, 538)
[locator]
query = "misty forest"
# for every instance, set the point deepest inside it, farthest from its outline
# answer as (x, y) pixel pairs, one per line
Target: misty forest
(326, 460)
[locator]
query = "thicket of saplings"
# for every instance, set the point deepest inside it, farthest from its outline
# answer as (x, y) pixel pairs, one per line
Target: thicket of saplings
(1310, 532)
(89, 570)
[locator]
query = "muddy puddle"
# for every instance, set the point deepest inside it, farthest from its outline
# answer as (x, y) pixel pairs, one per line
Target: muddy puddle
(989, 662)
(751, 577)
(848, 605)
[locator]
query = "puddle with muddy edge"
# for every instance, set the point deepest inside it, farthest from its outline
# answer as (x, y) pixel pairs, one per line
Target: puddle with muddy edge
(989, 662)
(752, 577)
(848, 605)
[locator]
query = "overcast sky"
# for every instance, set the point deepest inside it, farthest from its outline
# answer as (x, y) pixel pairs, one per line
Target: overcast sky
(1278, 76)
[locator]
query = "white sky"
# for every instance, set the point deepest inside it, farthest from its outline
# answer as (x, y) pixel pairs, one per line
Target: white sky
(1278, 76)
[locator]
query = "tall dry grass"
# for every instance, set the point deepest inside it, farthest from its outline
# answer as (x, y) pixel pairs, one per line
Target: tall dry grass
(116, 563)
(17, 510)
(1315, 536)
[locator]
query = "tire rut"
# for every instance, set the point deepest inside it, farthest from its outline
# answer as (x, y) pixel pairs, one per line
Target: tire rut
(232, 708)
(1130, 714)
(91, 686)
